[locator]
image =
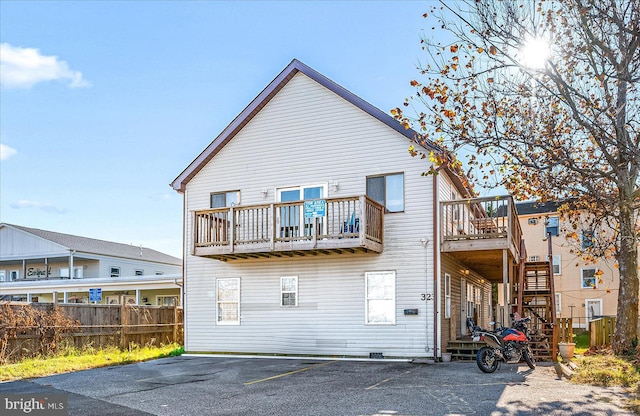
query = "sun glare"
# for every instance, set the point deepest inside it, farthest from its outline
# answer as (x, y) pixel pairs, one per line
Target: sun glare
(534, 53)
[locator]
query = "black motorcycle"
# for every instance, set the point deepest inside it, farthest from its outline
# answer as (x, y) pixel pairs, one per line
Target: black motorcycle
(508, 345)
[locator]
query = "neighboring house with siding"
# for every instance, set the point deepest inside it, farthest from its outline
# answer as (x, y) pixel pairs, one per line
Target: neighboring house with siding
(35, 265)
(584, 290)
(310, 230)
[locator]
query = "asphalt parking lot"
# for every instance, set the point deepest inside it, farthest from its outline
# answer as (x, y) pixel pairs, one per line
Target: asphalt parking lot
(191, 385)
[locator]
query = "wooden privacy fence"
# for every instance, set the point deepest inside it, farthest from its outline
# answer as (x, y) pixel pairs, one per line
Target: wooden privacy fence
(28, 330)
(601, 331)
(565, 329)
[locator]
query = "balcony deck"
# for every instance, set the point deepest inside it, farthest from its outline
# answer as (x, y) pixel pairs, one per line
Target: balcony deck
(347, 225)
(478, 232)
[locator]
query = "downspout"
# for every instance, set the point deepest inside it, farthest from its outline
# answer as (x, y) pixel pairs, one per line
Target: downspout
(183, 287)
(436, 265)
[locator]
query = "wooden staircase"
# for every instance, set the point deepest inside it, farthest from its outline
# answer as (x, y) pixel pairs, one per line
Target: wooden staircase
(534, 295)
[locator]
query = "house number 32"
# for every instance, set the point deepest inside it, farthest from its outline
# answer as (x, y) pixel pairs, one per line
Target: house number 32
(426, 296)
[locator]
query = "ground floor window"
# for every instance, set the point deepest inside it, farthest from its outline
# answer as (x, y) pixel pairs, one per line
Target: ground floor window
(380, 298)
(167, 300)
(228, 301)
(289, 291)
(447, 295)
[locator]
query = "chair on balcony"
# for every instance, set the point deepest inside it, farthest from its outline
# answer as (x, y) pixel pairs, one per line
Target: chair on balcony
(353, 226)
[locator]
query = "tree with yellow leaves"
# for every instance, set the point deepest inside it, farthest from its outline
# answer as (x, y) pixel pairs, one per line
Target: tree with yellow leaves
(543, 99)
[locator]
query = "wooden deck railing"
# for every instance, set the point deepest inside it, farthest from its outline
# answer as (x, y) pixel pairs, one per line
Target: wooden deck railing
(348, 223)
(481, 219)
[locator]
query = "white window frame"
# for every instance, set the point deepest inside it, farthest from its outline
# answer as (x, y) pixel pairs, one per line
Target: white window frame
(236, 301)
(116, 274)
(160, 300)
(447, 295)
(559, 304)
(14, 275)
(534, 258)
(595, 277)
(303, 226)
(77, 272)
(556, 261)
(555, 219)
(389, 299)
(284, 292)
(3, 276)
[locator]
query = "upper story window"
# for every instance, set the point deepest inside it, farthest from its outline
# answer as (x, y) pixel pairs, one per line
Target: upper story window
(553, 226)
(225, 199)
(387, 190)
(556, 262)
(77, 272)
(589, 279)
(586, 240)
(14, 275)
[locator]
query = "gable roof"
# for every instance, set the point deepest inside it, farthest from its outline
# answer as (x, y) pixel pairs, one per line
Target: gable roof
(100, 247)
(535, 207)
(263, 98)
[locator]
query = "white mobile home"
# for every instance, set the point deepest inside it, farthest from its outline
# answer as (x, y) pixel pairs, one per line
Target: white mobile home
(310, 230)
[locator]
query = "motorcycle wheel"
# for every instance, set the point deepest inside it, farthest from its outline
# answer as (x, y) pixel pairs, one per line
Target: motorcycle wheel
(528, 357)
(487, 360)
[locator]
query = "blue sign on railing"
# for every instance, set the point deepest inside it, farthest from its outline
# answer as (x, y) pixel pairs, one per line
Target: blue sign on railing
(95, 295)
(316, 208)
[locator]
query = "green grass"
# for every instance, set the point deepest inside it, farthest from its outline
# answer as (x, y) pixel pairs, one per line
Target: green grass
(75, 360)
(603, 368)
(582, 343)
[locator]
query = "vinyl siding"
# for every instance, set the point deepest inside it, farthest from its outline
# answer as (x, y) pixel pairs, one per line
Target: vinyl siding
(308, 135)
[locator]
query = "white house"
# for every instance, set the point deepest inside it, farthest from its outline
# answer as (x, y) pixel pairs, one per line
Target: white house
(309, 229)
(35, 265)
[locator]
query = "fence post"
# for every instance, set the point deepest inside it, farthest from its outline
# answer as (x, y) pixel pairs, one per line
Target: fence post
(123, 323)
(175, 323)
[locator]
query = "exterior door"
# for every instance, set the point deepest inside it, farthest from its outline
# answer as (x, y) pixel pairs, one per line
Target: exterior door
(289, 215)
(291, 221)
(593, 309)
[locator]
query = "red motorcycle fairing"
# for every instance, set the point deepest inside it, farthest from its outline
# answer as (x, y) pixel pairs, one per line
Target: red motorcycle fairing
(511, 334)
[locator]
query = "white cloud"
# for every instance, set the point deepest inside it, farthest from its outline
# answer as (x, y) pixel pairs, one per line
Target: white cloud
(6, 151)
(25, 67)
(43, 206)
(160, 196)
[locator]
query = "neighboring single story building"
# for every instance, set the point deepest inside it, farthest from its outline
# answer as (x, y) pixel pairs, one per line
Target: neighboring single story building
(38, 265)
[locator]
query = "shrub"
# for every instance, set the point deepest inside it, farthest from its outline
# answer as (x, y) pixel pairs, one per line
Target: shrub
(27, 330)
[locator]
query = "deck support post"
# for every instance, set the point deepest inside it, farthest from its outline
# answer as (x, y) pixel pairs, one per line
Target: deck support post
(505, 282)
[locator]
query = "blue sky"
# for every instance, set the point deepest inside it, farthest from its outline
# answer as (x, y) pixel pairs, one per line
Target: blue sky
(104, 103)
